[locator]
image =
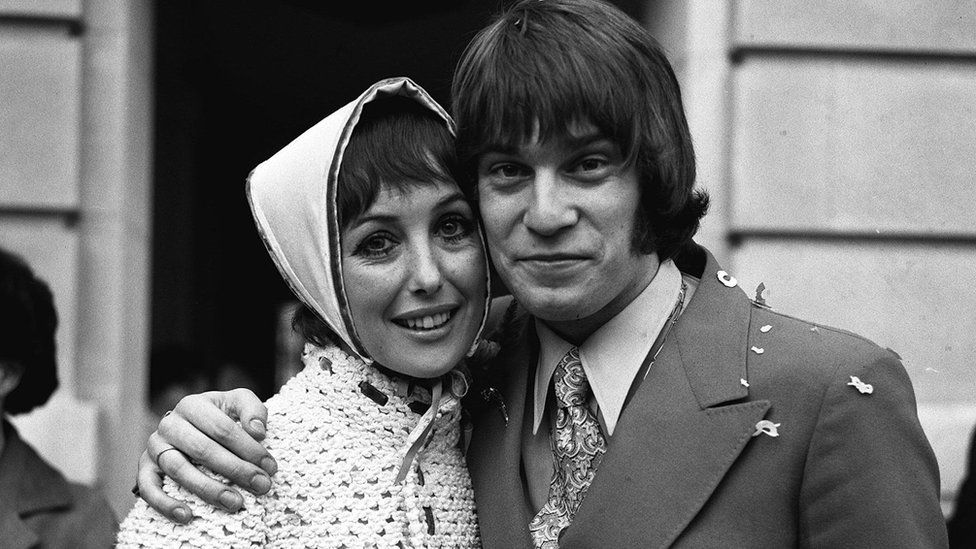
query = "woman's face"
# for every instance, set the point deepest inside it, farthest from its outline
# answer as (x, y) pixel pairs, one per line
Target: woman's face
(414, 274)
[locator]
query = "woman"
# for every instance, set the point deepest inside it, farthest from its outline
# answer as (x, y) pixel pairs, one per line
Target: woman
(385, 253)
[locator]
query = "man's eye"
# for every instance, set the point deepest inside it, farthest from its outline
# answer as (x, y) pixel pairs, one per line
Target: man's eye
(508, 170)
(592, 164)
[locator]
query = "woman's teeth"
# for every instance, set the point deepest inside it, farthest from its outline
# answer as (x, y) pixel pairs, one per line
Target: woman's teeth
(428, 322)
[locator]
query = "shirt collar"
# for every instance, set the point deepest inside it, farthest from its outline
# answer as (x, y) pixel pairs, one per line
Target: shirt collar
(613, 354)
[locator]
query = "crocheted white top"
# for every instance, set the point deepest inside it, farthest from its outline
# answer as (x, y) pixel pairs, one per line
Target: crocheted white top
(340, 431)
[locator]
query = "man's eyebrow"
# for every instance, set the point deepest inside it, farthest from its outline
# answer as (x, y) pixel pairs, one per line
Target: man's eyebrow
(499, 148)
(582, 140)
(564, 139)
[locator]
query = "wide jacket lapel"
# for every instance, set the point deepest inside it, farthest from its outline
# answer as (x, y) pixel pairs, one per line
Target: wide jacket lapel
(683, 429)
(495, 454)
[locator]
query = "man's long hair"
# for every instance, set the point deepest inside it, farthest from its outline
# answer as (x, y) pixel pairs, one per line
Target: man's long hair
(542, 66)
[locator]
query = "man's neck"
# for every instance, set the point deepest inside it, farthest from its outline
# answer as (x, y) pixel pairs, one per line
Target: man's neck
(576, 331)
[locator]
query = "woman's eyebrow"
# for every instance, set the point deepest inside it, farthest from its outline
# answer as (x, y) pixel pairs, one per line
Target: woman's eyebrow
(456, 196)
(389, 216)
(379, 217)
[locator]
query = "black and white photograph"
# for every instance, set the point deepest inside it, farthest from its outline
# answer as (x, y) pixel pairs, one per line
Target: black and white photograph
(542, 274)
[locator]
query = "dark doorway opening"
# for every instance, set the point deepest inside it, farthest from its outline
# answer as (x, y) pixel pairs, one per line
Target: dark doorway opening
(236, 81)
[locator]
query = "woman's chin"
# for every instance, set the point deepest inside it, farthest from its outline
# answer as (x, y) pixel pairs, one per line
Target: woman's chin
(427, 369)
(424, 354)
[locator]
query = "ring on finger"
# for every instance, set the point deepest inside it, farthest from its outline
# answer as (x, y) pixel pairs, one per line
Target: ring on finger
(163, 451)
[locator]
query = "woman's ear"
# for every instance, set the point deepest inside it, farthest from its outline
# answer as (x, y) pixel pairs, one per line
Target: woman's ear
(10, 374)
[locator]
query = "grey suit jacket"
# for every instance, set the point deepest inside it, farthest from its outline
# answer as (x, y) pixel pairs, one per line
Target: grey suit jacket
(686, 467)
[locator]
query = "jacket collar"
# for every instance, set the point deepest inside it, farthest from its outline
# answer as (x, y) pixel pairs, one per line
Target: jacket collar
(29, 485)
(712, 335)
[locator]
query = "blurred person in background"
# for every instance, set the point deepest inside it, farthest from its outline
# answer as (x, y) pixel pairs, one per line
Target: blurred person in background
(962, 523)
(39, 508)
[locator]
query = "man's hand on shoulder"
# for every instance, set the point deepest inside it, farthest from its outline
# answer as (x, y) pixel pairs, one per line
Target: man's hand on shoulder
(218, 430)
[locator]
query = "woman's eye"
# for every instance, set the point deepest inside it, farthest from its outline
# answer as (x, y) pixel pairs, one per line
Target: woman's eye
(454, 228)
(375, 246)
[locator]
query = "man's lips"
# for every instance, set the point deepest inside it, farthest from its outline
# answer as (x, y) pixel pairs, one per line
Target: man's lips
(551, 267)
(554, 258)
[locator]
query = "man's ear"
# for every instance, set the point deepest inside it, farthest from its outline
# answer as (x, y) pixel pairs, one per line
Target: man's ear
(10, 375)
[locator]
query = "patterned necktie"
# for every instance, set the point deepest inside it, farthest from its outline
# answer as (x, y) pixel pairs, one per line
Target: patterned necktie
(577, 447)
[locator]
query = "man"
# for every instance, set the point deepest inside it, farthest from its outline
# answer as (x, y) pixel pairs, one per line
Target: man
(639, 399)
(38, 507)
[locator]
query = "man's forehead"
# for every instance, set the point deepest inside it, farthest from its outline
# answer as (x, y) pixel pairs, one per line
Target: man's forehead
(574, 133)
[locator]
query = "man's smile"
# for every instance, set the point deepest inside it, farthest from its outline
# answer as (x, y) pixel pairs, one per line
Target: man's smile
(555, 257)
(554, 266)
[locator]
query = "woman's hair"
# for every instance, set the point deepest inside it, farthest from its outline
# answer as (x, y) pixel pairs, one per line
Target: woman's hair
(28, 322)
(398, 143)
(544, 66)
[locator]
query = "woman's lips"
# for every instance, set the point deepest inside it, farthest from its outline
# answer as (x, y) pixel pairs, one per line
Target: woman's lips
(425, 322)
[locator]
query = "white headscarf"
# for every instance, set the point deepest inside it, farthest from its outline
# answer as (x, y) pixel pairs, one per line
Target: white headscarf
(293, 199)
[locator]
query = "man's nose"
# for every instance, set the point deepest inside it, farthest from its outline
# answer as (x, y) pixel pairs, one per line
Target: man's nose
(552, 207)
(426, 273)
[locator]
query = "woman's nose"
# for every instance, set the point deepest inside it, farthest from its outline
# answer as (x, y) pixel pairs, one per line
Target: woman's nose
(426, 275)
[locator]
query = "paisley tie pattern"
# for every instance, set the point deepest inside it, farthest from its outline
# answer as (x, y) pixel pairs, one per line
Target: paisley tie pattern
(578, 446)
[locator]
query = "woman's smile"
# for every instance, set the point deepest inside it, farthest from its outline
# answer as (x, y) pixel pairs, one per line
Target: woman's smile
(426, 322)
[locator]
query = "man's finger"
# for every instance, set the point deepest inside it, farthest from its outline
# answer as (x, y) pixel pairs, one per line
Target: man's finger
(214, 414)
(248, 408)
(208, 413)
(175, 431)
(174, 464)
(149, 480)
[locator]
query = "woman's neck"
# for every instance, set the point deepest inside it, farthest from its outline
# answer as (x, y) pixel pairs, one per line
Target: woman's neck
(426, 382)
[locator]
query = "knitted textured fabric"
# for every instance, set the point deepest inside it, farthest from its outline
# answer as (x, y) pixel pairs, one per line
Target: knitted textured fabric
(338, 454)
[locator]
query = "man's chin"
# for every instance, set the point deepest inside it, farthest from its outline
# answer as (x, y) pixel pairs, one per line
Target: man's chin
(553, 308)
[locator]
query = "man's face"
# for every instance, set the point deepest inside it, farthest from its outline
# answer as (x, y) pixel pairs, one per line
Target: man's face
(559, 218)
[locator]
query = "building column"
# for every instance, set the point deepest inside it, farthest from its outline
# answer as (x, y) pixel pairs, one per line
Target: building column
(114, 226)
